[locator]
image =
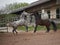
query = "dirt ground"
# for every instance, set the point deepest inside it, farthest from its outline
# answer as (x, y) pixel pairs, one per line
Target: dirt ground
(30, 38)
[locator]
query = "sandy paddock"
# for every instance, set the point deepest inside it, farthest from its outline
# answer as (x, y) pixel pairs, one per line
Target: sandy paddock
(30, 38)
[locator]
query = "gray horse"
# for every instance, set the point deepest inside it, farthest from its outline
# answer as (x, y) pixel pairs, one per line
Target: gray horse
(21, 22)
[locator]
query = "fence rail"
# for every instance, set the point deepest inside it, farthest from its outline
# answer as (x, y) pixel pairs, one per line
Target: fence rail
(4, 20)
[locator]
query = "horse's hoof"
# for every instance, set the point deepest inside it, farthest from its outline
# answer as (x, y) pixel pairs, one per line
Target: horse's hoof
(47, 31)
(55, 30)
(16, 32)
(34, 31)
(26, 31)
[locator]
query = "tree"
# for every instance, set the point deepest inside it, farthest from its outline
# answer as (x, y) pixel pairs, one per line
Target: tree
(8, 8)
(15, 6)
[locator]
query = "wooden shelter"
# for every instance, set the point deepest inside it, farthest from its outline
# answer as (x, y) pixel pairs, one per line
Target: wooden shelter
(51, 7)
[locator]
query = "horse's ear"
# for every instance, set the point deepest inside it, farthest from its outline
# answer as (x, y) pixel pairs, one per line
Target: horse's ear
(24, 11)
(31, 14)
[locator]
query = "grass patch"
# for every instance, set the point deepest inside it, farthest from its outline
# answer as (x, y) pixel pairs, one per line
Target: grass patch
(58, 26)
(31, 28)
(21, 28)
(38, 28)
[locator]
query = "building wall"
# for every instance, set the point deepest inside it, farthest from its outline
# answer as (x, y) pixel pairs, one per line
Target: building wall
(52, 10)
(51, 5)
(41, 6)
(53, 13)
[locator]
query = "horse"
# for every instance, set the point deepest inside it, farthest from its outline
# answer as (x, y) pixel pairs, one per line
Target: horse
(21, 22)
(43, 22)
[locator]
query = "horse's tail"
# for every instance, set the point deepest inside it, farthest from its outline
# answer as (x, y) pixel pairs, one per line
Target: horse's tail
(54, 25)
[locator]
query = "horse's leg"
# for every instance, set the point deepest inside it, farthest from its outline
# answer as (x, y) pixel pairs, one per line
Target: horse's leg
(35, 28)
(48, 28)
(54, 26)
(26, 28)
(14, 29)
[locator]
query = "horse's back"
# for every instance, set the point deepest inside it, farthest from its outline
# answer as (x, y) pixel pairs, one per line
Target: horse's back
(43, 22)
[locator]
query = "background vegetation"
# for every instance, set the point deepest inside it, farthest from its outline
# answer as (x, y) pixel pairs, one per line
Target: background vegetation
(15, 6)
(38, 28)
(4, 18)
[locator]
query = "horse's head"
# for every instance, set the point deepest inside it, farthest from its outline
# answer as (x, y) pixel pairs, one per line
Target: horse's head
(36, 15)
(40, 16)
(24, 15)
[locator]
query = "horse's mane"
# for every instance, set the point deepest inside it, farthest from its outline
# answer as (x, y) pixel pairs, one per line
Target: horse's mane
(37, 15)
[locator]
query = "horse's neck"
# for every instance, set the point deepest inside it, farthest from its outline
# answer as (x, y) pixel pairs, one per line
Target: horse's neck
(37, 17)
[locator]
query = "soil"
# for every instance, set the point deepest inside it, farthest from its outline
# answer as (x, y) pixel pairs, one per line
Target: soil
(30, 38)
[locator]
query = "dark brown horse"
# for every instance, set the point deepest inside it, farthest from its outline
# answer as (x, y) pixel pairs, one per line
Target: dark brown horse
(46, 22)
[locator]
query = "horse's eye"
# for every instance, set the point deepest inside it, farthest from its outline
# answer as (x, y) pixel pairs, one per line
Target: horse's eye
(25, 16)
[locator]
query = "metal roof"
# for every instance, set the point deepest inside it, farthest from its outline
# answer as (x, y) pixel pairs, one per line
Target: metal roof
(31, 5)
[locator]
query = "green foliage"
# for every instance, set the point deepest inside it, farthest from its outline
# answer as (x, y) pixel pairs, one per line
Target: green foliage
(58, 26)
(32, 28)
(39, 28)
(16, 6)
(4, 18)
